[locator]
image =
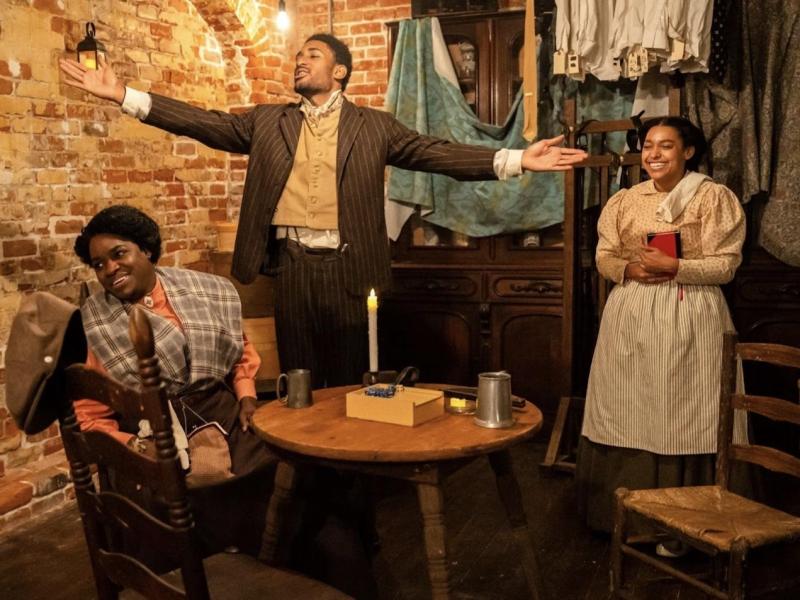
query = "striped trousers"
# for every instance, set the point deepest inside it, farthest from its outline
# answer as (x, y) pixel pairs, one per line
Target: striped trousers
(319, 324)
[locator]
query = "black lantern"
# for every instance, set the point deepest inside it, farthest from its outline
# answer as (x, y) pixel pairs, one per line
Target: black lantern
(90, 49)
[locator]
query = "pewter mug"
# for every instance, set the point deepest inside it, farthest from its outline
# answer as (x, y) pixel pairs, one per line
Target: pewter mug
(298, 388)
(493, 408)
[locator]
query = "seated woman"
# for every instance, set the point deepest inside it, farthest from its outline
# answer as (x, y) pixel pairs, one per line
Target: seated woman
(653, 397)
(207, 364)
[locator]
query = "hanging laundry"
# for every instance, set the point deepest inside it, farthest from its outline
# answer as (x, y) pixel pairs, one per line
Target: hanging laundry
(627, 38)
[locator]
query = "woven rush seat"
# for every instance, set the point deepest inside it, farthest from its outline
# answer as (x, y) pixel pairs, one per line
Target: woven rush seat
(714, 516)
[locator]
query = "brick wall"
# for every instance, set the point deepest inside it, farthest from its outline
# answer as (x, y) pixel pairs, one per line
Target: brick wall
(64, 156)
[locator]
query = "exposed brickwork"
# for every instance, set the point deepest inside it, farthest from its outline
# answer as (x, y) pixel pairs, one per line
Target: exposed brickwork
(13, 495)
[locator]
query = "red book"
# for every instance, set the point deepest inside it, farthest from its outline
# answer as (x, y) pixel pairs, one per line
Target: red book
(669, 242)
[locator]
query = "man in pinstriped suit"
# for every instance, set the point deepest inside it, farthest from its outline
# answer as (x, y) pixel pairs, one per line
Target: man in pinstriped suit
(312, 212)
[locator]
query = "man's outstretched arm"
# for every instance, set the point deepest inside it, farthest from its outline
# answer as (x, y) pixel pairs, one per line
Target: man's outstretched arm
(411, 150)
(216, 129)
(549, 155)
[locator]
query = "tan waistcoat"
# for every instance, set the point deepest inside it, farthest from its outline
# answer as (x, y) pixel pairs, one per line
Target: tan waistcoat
(309, 198)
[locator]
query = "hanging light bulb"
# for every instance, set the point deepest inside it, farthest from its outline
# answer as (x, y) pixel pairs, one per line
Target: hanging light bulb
(283, 17)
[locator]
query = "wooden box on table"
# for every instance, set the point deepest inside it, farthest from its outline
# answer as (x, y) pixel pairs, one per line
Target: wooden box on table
(408, 406)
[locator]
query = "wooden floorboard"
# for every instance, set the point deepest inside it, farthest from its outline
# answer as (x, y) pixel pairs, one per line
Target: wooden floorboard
(47, 558)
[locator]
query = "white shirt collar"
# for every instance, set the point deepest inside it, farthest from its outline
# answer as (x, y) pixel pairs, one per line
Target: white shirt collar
(676, 200)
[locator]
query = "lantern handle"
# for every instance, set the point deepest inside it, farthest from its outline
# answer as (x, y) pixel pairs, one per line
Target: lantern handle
(90, 29)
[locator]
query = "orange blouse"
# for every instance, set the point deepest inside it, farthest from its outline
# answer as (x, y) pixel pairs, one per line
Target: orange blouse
(94, 415)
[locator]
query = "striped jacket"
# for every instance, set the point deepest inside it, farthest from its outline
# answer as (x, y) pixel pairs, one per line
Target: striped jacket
(369, 140)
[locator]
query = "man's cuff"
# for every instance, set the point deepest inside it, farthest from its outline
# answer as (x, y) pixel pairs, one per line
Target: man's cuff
(507, 163)
(136, 104)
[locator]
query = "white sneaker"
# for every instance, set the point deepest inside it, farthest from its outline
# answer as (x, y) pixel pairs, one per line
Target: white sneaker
(672, 549)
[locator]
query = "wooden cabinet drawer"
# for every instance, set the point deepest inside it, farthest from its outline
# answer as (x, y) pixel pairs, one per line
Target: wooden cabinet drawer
(539, 288)
(431, 285)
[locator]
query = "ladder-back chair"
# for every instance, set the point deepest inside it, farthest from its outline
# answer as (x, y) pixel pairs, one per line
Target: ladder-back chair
(723, 525)
(135, 510)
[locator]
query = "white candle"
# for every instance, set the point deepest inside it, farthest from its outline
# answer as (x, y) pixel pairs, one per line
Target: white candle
(372, 318)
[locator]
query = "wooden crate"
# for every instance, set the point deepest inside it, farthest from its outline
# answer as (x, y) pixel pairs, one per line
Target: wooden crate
(409, 406)
(257, 297)
(226, 235)
(261, 333)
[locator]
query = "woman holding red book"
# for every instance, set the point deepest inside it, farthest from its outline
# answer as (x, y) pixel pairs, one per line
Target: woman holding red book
(653, 397)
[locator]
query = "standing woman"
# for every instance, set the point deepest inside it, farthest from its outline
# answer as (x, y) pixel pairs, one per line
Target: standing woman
(653, 399)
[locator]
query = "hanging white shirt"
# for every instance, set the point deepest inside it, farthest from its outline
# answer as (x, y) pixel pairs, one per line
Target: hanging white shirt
(628, 26)
(597, 17)
(699, 17)
(676, 30)
(562, 32)
(655, 26)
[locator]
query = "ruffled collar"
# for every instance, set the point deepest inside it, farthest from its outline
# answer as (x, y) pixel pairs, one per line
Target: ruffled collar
(315, 114)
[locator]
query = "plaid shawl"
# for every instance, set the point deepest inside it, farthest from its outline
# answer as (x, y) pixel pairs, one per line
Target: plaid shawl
(194, 359)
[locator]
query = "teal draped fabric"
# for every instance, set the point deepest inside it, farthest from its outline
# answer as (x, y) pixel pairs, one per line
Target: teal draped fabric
(428, 103)
(424, 101)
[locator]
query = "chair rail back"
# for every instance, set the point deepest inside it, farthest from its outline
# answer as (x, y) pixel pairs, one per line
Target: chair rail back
(139, 500)
(776, 409)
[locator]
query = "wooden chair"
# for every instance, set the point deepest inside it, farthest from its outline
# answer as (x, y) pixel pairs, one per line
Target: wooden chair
(563, 445)
(719, 523)
(115, 517)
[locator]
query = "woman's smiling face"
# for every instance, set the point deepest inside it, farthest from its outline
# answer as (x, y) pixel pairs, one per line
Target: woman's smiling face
(122, 268)
(664, 156)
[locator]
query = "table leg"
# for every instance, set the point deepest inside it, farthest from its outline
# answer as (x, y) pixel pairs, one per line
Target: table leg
(511, 497)
(285, 479)
(431, 504)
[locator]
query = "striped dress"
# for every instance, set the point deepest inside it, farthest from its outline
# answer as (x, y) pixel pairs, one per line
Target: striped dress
(654, 381)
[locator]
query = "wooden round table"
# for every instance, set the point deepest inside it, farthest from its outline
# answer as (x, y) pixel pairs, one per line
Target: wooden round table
(322, 434)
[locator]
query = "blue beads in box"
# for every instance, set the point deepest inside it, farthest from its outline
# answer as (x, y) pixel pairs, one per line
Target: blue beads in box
(382, 391)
